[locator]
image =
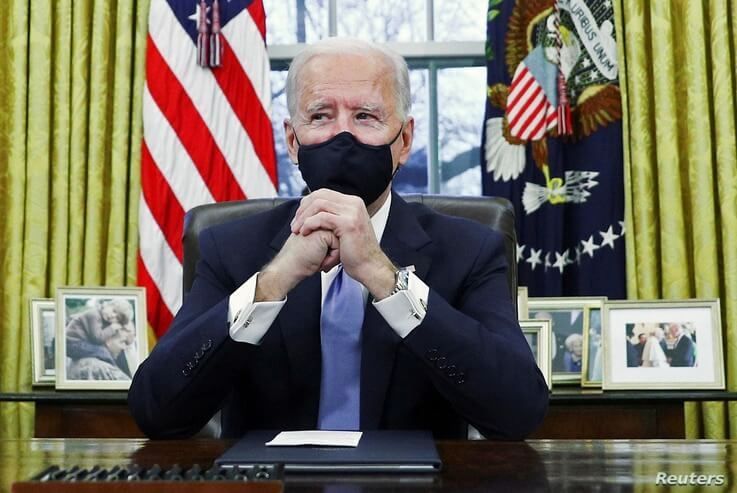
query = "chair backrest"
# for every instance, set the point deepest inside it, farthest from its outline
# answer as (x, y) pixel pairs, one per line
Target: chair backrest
(495, 212)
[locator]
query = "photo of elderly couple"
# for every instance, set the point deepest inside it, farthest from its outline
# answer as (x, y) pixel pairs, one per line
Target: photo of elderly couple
(658, 345)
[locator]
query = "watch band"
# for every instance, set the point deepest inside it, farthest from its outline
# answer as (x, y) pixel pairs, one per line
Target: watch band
(401, 280)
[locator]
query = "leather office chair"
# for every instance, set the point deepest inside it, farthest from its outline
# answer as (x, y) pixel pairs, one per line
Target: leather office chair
(495, 212)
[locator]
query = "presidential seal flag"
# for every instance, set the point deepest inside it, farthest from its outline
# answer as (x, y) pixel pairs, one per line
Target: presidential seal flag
(552, 142)
(207, 132)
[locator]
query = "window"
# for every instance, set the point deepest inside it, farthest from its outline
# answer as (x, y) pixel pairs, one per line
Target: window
(443, 43)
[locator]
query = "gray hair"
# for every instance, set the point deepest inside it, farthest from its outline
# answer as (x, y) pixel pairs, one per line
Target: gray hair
(351, 46)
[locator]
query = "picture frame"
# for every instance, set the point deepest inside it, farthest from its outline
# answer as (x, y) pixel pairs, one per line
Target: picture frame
(681, 348)
(593, 349)
(43, 341)
(104, 334)
(522, 300)
(539, 336)
(567, 317)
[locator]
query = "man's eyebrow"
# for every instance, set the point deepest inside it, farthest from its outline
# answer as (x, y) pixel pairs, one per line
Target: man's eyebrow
(317, 106)
(370, 107)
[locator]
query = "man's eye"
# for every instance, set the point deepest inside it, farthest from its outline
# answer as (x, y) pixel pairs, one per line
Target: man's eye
(318, 117)
(364, 116)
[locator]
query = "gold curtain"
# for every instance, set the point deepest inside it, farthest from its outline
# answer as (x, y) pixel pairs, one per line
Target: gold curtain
(678, 61)
(70, 131)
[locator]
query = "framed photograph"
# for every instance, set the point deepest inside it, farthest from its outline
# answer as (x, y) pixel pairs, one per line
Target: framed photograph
(663, 345)
(567, 319)
(593, 351)
(538, 335)
(43, 335)
(103, 337)
(522, 303)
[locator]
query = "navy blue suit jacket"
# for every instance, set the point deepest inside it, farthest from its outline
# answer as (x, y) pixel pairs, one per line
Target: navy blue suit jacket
(466, 362)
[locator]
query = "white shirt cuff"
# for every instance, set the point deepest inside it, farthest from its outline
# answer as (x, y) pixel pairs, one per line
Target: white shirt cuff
(405, 310)
(249, 320)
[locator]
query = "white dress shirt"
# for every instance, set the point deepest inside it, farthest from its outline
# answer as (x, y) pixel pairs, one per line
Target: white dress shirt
(403, 311)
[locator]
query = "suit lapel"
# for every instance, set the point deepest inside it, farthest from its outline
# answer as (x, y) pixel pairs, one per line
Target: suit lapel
(402, 241)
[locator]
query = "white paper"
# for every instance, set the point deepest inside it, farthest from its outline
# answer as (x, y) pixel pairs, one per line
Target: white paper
(322, 438)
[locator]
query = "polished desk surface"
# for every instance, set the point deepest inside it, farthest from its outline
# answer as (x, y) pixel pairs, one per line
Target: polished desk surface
(481, 466)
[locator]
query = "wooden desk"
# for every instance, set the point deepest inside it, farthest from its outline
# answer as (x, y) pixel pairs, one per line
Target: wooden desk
(537, 465)
(574, 414)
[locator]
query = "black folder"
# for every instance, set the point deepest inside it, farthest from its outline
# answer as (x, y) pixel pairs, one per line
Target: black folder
(377, 451)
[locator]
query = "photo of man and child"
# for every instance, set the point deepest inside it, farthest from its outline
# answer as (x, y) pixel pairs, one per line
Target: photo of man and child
(100, 336)
(658, 345)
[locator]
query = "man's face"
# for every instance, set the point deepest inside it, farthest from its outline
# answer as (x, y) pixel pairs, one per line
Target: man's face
(675, 330)
(354, 93)
(108, 313)
(577, 347)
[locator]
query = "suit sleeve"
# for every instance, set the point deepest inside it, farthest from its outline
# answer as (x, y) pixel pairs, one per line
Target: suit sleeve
(476, 354)
(183, 382)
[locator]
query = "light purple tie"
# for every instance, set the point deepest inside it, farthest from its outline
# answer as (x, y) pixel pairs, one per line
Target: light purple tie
(340, 333)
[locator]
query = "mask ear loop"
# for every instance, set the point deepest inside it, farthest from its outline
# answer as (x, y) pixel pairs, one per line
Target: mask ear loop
(390, 143)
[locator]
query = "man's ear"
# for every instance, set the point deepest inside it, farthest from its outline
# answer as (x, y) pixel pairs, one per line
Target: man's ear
(405, 139)
(291, 137)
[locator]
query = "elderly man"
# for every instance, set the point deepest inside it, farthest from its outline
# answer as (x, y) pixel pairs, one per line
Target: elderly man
(349, 309)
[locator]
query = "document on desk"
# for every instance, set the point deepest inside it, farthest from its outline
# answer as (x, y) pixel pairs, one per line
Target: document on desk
(320, 438)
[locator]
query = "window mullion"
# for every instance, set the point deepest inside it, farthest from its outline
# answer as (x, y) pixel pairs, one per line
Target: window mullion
(433, 168)
(332, 17)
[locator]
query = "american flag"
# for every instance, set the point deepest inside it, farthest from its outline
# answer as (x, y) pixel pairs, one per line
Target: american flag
(207, 135)
(533, 94)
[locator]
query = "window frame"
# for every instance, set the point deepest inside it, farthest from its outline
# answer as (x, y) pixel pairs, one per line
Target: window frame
(430, 55)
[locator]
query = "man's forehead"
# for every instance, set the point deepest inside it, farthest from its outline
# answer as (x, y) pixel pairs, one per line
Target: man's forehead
(355, 77)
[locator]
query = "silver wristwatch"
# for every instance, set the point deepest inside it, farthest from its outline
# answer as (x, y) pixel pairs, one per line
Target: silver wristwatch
(401, 280)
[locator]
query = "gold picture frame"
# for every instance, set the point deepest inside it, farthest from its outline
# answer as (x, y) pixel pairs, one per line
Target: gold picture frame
(43, 341)
(539, 337)
(681, 345)
(522, 303)
(104, 334)
(567, 317)
(593, 349)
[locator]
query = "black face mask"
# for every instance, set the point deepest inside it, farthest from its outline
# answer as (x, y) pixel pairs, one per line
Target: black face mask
(345, 165)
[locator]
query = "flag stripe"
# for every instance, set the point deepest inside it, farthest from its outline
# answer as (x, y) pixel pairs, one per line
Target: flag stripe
(532, 106)
(532, 99)
(256, 9)
(535, 116)
(159, 259)
(238, 90)
(156, 311)
(171, 158)
(248, 46)
(165, 207)
(179, 110)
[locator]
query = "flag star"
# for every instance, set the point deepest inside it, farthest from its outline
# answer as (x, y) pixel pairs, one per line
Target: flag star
(534, 258)
(608, 237)
(196, 16)
(520, 252)
(594, 74)
(621, 225)
(561, 261)
(607, 4)
(586, 62)
(589, 246)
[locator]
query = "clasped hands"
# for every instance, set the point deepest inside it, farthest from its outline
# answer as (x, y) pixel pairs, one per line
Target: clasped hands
(328, 228)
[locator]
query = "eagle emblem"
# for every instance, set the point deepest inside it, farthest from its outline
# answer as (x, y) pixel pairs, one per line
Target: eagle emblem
(561, 57)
